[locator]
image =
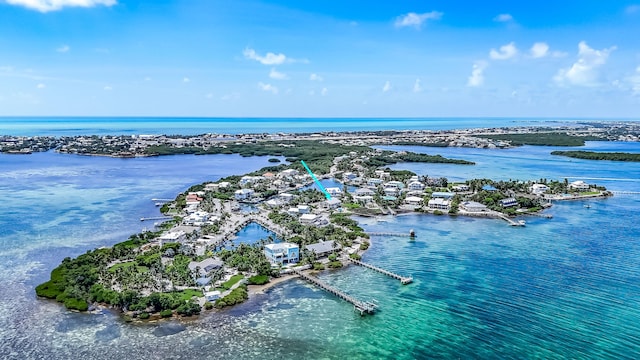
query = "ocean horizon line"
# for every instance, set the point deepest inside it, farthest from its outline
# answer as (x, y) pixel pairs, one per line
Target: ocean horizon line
(541, 118)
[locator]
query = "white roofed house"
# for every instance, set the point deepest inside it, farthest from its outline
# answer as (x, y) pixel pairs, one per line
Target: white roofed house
(308, 218)
(334, 191)
(172, 237)
(282, 253)
(413, 200)
(391, 191)
(472, 206)
(538, 189)
(289, 173)
(396, 184)
(579, 185)
(439, 204)
(415, 185)
(244, 194)
(332, 203)
(364, 192)
(349, 176)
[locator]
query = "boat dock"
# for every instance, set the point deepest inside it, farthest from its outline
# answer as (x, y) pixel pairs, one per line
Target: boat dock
(389, 234)
(156, 218)
(364, 307)
(404, 280)
(511, 222)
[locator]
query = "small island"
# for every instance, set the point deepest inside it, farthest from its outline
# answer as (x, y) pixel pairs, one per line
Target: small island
(592, 155)
(190, 263)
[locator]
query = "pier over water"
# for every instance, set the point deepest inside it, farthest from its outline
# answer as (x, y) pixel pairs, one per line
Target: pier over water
(364, 307)
(403, 279)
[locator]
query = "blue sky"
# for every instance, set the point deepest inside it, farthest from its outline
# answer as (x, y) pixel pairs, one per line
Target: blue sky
(351, 58)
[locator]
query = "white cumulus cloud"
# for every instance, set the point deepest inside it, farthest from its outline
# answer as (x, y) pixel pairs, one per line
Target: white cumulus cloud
(503, 18)
(315, 77)
(417, 86)
(41, 86)
(107, 88)
(504, 53)
(268, 87)
(267, 59)
(274, 74)
(63, 49)
(584, 72)
(477, 74)
(387, 86)
(417, 20)
(324, 91)
(186, 80)
(54, 5)
(539, 50)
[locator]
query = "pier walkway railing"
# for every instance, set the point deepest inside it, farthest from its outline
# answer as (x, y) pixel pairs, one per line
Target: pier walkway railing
(364, 307)
(403, 279)
(388, 234)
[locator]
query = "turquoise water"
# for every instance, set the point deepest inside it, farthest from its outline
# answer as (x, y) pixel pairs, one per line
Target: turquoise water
(65, 126)
(567, 287)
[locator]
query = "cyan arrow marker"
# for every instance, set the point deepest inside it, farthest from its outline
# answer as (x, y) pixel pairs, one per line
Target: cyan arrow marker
(315, 179)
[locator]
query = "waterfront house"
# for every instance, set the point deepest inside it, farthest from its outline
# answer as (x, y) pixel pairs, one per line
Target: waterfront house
(508, 202)
(323, 248)
(413, 200)
(244, 194)
(415, 186)
(442, 195)
(282, 253)
(363, 199)
(439, 204)
(224, 184)
(294, 211)
(472, 206)
(579, 185)
(334, 191)
(374, 182)
(172, 237)
(538, 189)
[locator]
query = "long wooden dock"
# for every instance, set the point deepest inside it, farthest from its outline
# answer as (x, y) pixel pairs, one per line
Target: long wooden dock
(364, 307)
(156, 218)
(511, 222)
(388, 234)
(403, 279)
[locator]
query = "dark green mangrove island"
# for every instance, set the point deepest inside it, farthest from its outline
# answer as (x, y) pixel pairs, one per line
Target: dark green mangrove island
(592, 155)
(542, 139)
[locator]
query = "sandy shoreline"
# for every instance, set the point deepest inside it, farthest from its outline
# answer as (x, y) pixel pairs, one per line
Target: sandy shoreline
(261, 289)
